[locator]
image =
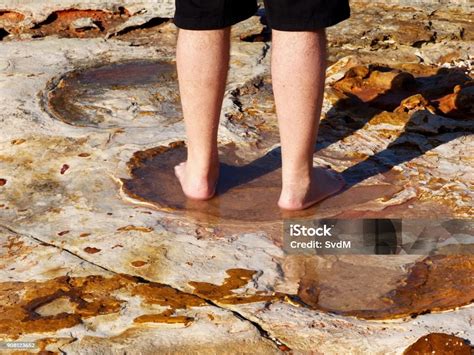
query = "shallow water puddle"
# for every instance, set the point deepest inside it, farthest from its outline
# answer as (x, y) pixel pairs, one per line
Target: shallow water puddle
(248, 188)
(145, 94)
(362, 289)
(128, 94)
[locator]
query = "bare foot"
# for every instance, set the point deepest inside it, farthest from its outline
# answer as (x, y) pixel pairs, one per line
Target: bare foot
(196, 184)
(301, 195)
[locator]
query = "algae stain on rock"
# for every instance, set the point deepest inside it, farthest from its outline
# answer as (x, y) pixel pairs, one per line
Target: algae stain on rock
(79, 23)
(224, 293)
(164, 317)
(63, 302)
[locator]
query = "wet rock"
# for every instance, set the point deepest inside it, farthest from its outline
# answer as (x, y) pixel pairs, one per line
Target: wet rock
(432, 285)
(254, 118)
(384, 127)
(439, 343)
(61, 302)
(248, 191)
(127, 225)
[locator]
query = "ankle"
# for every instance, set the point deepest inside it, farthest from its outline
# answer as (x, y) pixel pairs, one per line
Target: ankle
(202, 168)
(298, 178)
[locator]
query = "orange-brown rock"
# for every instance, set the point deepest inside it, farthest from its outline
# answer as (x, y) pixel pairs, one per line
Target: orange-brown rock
(439, 343)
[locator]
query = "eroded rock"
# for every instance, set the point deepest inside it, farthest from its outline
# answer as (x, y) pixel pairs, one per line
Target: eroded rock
(60, 302)
(439, 343)
(400, 135)
(118, 95)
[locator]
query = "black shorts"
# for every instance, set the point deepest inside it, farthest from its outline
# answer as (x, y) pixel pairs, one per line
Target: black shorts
(284, 15)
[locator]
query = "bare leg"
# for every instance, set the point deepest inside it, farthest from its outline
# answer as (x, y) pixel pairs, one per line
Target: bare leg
(202, 62)
(298, 75)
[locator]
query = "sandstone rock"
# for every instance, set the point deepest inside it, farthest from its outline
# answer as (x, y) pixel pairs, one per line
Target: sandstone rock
(85, 122)
(66, 304)
(437, 342)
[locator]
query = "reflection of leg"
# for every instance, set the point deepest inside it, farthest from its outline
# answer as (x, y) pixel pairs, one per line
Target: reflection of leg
(202, 61)
(298, 72)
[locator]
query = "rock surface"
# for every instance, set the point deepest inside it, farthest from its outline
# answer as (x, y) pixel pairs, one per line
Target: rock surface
(439, 343)
(100, 250)
(67, 304)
